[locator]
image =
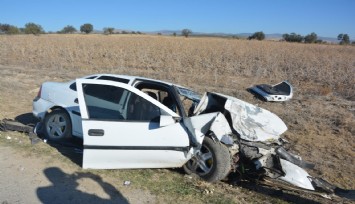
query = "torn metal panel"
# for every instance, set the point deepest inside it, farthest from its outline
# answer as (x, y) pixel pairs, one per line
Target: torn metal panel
(200, 125)
(254, 123)
(215, 122)
(282, 91)
(293, 158)
(12, 125)
(295, 175)
(251, 122)
(220, 128)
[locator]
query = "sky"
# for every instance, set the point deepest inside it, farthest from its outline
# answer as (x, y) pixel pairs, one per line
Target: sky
(327, 18)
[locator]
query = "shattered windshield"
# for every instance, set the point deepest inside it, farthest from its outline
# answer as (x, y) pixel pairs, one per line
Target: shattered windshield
(189, 99)
(192, 95)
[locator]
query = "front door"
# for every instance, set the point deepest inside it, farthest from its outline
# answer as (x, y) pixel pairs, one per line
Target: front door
(121, 128)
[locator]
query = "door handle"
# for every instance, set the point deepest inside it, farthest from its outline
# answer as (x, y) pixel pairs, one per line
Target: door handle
(96, 132)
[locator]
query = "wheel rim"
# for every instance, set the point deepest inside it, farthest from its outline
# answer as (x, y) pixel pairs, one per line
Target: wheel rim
(202, 163)
(56, 126)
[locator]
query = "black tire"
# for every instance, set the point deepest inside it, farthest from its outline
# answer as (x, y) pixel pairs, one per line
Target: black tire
(217, 167)
(57, 125)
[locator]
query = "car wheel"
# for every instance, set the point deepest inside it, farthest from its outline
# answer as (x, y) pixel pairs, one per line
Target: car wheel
(57, 125)
(212, 163)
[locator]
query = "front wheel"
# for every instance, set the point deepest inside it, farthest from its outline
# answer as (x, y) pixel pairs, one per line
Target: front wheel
(212, 163)
(57, 125)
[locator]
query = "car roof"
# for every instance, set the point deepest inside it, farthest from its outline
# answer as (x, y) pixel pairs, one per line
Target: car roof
(130, 78)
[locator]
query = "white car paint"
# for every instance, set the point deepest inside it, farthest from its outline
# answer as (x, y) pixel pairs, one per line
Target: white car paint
(170, 142)
(59, 94)
(132, 138)
(295, 175)
(274, 97)
(251, 122)
(130, 144)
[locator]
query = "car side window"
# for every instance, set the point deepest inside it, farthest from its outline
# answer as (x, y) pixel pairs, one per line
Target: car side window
(106, 102)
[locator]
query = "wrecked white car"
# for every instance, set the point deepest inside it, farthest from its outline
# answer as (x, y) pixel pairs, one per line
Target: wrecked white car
(143, 123)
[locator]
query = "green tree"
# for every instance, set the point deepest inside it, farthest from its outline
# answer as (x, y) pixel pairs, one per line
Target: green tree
(4, 27)
(174, 34)
(344, 39)
(293, 37)
(68, 29)
(109, 30)
(257, 35)
(13, 30)
(186, 32)
(86, 28)
(9, 29)
(32, 28)
(311, 38)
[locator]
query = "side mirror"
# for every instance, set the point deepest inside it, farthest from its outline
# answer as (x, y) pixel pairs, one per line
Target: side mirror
(166, 120)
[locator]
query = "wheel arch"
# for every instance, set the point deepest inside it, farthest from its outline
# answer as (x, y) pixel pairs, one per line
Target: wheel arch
(56, 107)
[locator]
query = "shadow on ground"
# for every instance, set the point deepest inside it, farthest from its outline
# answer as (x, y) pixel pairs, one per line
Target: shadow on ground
(71, 148)
(64, 189)
(27, 119)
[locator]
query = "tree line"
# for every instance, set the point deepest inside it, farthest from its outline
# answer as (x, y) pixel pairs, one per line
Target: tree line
(310, 38)
(36, 29)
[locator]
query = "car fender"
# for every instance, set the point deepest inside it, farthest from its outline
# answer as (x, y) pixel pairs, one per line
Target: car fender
(215, 122)
(41, 108)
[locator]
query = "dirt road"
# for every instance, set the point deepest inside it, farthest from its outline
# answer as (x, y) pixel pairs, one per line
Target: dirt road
(27, 179)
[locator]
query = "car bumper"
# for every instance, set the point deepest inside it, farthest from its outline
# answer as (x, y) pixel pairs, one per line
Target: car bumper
(270, 97)
(40, 107)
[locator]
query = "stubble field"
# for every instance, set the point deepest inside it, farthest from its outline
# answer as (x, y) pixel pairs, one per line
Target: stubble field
(320, 117)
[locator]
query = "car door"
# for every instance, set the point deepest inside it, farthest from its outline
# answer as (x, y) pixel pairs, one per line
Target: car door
(122, 129)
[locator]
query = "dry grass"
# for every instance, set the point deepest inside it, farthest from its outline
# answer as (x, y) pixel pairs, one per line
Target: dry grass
(320, 117)
(320, 69)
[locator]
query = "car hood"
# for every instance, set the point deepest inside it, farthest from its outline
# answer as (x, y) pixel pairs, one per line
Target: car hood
(251, 122)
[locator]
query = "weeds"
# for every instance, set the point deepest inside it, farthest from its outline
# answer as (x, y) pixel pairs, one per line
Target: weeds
(207, 61)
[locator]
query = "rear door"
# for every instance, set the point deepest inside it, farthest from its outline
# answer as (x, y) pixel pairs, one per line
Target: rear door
(121, 128)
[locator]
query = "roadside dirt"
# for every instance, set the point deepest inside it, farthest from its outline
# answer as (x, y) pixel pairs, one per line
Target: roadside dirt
(27, 179)
(321, 130)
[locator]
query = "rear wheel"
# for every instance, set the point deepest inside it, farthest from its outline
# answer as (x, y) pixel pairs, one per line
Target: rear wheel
(57, 125)
(212, 163)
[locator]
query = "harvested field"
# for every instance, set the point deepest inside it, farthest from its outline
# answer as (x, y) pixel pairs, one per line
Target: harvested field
(313, 69)
(320, 117)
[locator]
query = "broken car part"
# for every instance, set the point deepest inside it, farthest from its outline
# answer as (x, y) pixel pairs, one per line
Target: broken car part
(279, 92)
(12, 125)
